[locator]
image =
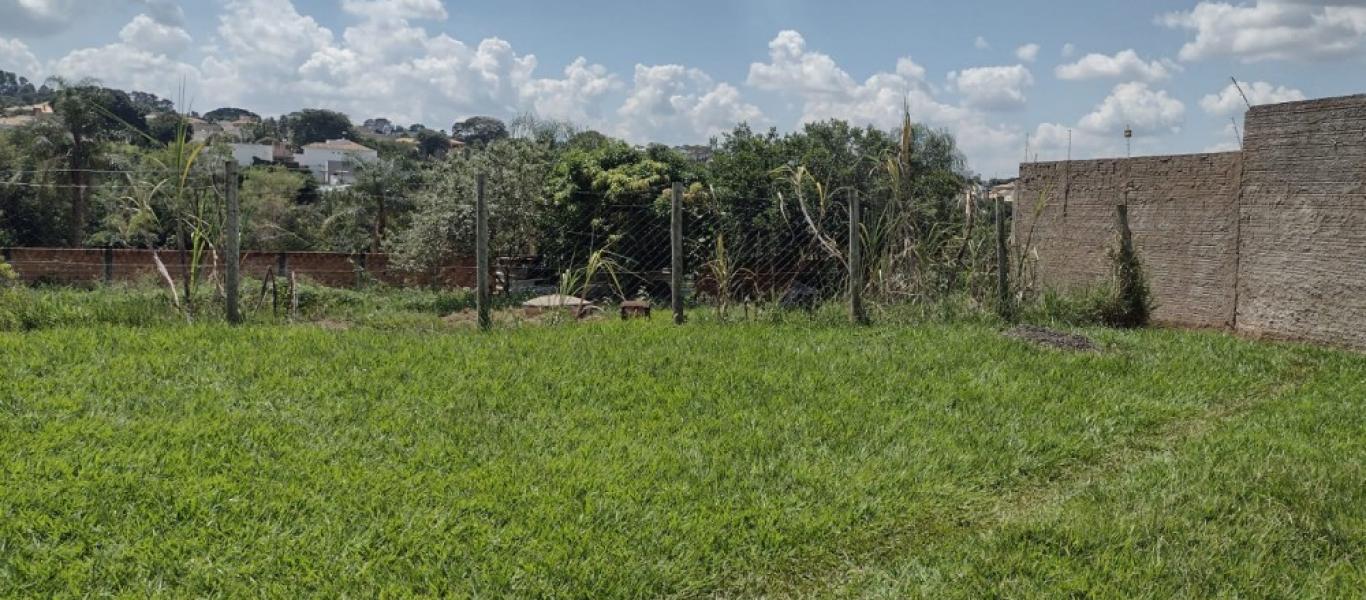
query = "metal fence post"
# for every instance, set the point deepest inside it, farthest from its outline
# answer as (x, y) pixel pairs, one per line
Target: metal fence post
(676, 267)
(233, 245)
(857, 315)
(1002, 261)
(481, 254)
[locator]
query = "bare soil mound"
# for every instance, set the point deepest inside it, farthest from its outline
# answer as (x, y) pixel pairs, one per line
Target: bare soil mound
(1052, 339)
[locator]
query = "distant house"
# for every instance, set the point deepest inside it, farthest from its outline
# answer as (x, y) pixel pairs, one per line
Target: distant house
(203, 130)
(1005, 191)
(255, 154)
(235, 128)
(23, 116)
(331, 162)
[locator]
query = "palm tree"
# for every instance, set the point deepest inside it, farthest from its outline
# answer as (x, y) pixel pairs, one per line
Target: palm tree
(83, 120)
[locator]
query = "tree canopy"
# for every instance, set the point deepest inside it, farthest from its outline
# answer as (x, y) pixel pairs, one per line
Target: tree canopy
(313, 125)
(229, 114)
(478, 132)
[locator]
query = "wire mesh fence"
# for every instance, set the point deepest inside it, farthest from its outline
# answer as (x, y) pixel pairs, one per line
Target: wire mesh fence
(585, 248)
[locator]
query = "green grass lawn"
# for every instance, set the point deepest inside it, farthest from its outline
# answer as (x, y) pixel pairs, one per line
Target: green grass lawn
(643, 460)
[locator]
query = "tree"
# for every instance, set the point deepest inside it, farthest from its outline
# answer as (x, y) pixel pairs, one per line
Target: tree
(381, 126)
(229, 114)
(432, 144)
(31, 211)
(614, 197)
(166, 126)
(150, 104)
(15, 90)
(313, 125)
(478, 132)
(386, 184)
(89, 114)
(443, 214)
(275, 218)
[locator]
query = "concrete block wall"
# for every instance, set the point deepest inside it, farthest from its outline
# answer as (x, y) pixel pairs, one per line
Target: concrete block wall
(1302, 273)
(1270, 241)
(1182, 211)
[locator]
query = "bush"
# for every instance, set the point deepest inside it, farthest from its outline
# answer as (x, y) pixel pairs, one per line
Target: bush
(1130, 306)
(7, 275)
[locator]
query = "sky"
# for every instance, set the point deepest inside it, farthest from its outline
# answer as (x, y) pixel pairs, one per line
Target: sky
(1010, 79)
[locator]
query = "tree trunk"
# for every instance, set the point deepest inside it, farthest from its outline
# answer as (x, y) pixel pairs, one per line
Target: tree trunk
(381, 221)
(78, 191)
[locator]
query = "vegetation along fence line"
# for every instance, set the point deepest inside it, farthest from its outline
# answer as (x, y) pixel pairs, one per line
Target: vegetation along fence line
(78, 266)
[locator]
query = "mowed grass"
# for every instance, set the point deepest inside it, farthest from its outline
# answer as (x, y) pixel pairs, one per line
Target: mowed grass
(643, 460)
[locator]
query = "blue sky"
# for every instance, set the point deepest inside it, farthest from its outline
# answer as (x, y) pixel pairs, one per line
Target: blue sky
(995, 73)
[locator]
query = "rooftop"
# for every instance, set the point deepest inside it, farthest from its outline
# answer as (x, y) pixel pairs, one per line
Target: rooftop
(343, 145)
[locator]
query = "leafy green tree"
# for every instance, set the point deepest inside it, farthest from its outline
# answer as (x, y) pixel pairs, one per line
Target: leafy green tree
(478, 132)
(432, 144)
(166, 126)
(229, 114)
(613, 197)
(31, 211)
(443, 224)
(273, 216)
(317, 125)
(386, 184)
(89, 115)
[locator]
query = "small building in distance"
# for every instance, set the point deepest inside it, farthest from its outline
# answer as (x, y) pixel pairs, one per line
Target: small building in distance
(331, 161)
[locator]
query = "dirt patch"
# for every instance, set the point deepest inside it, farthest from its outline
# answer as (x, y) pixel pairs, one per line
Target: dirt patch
(1052, 339)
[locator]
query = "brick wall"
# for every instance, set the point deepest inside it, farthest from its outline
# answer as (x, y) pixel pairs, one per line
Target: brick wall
(1303, 243)
(1182, 211)
(91, 265)
(1271, 241)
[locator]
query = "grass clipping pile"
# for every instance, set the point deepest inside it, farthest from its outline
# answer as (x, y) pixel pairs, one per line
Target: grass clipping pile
(1049, 338)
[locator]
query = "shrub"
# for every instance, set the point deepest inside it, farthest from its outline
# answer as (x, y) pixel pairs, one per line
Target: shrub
(1130, 305)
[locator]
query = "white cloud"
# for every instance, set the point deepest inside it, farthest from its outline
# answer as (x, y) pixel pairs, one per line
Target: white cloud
(1069, 50)
(825, 91)
(43, 17)
(30, 17)
(431, 10)
(1229, 102)
(1124, 65)
(1149, 112)
(993, 88)
(573, 98)
(166, 12)
(127, 67)
(1027, 53)
(143, 59)
(1272, 30)
(16, 57)
(793, 68)
(670, 98)
(146, 33)
(981, 43)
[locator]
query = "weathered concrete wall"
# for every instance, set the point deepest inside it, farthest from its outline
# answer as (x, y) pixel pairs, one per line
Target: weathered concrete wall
(1182, 211)
(90, 265)
(1271, 240)
(1302, 271)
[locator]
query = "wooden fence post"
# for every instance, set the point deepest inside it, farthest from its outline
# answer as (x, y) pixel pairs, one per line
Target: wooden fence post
(1002, 262)
(481, 254)
(233, 246)
(857, 315)
(676, 267)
